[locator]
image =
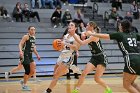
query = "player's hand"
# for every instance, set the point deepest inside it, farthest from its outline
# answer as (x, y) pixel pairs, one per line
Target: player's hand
(83, 36)
(21, 54)
(77, 54)
(38, 57)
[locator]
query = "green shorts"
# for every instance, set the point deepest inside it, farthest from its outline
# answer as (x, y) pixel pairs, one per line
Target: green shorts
(99, 60)
(27, 58)
(132, 64)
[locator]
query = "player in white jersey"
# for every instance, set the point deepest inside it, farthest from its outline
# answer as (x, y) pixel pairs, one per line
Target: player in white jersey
(66, 57)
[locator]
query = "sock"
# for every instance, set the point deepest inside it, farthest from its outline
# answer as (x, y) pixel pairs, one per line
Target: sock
(9, 73)
(77, 88)
(49, 90)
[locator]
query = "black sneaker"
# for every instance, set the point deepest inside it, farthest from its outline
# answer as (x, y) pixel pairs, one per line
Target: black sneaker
(76, 77)
(69, 78)
(48, 90)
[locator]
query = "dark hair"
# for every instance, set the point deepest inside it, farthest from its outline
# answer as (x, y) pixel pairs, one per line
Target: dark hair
(76, 25)
(30, 27)
(18, 3)
(126, 25)
(58, 8)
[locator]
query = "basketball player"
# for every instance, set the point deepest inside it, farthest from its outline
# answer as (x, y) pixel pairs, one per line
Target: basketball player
(98, 60)
(26, 47)
(76, 54)
(65, 58)
(127, 41)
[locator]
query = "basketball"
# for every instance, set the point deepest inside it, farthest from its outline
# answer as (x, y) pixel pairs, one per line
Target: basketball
(57, 45)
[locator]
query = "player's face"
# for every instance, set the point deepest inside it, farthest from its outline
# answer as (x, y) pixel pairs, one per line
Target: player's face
(32, 31)
(120, 28)
(71, 27)
(87, 27)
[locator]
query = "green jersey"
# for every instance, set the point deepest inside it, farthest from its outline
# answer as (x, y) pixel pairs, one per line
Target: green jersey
(98, 55)
(95, 47)
(127, 42)
(29, 45)
(28, 49)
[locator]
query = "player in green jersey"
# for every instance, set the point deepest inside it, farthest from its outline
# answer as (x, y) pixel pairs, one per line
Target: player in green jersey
(98, 59)
(127, 41)
(26, 47)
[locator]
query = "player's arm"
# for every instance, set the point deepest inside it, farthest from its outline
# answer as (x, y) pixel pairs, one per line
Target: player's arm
(86, 41)
(21, 43)
(36, 53)
(99, 35)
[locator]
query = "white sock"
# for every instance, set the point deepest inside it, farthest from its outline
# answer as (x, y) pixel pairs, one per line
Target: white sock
(77, 88)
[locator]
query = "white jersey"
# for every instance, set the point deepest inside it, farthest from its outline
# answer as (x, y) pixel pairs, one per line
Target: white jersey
(67, 53)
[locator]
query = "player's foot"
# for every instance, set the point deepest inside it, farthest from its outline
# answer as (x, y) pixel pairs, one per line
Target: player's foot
(26, 88)
(48, 90)
(7, 76)
(75, 91)
(75, 69)
(37, 80)
(68, 78)
(21, 82)
(76, 77)
(108, 90)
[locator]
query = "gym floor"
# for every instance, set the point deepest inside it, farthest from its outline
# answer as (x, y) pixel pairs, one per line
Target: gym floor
(63, 85)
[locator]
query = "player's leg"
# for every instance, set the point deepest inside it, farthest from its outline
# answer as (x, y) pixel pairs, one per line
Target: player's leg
(128, 82)
(99, 73)
(34, 75)
(89, 67)
(61, 70)
(13, 70)
(25, 77)
(29, 71)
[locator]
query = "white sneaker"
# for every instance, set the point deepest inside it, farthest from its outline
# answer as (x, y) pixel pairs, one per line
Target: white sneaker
(7, 76)
(4, 16)
(26, 88)
(37, 80)
(21, 82)
(75, 69)
(55, 26)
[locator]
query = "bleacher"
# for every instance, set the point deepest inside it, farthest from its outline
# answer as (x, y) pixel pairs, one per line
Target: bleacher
(12, 32)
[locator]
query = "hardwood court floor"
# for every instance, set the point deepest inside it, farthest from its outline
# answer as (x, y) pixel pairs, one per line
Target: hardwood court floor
(63, 85)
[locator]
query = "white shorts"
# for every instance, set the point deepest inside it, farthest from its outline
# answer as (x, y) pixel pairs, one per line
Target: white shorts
(65, 58)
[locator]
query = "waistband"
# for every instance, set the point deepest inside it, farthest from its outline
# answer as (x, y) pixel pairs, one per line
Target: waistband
(133, 53)
(98, 54)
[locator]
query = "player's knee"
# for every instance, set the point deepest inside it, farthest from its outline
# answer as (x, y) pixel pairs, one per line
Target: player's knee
(31, 73)
(27, 72)
(84, 74)
(97, 79)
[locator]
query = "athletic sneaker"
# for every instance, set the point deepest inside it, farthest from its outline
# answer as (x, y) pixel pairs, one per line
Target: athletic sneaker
(46, 92)
(75, 91)
(7, 76)
(37, 80)
(26, 88)
(75, 69)
(21, 82)
(108, 90)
